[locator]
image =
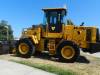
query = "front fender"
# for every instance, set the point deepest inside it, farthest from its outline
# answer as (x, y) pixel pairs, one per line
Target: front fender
(34, 39)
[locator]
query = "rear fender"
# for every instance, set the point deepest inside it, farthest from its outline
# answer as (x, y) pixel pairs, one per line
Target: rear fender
(61, 42)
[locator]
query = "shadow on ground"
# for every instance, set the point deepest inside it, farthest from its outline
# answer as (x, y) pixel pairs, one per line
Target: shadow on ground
(81, 59)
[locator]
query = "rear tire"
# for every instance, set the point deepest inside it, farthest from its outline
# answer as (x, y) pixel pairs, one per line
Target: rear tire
(68, 51)
(25, 48)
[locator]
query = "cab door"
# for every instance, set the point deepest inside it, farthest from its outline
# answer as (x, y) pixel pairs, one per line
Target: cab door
(54, 23)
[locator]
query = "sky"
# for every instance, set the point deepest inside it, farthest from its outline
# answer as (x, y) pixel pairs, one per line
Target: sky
(24, 13)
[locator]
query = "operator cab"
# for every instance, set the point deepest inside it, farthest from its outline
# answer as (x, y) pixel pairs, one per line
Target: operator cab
(54, 19)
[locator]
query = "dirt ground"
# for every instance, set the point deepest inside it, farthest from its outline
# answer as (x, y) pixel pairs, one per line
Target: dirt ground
(85, 65)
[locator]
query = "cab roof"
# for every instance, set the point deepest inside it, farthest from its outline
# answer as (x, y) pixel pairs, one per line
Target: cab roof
(54, 9)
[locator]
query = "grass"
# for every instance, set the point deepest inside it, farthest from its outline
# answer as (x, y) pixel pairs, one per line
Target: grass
(48, 68)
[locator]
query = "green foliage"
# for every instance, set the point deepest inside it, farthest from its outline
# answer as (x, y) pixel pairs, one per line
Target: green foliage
(69, 22)
(6, 32)
(48, 68)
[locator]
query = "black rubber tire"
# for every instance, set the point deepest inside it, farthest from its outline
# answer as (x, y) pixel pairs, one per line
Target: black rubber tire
(68, 43)
(85, 50)
(31, 48)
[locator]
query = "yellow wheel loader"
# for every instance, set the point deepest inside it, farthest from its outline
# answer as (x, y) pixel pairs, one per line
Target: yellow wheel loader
(57, 38)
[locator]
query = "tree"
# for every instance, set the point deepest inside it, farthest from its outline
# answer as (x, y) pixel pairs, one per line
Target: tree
(69, 22)
(6, 32)
(3, 22)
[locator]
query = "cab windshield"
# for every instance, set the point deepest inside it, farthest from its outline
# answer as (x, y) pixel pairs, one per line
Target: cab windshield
(53, 18)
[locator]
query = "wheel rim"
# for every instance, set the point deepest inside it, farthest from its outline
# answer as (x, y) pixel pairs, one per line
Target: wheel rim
(23, 48)
(68, 52)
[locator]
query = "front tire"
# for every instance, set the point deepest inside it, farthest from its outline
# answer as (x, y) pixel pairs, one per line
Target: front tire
(25, 48)
(68, 51)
